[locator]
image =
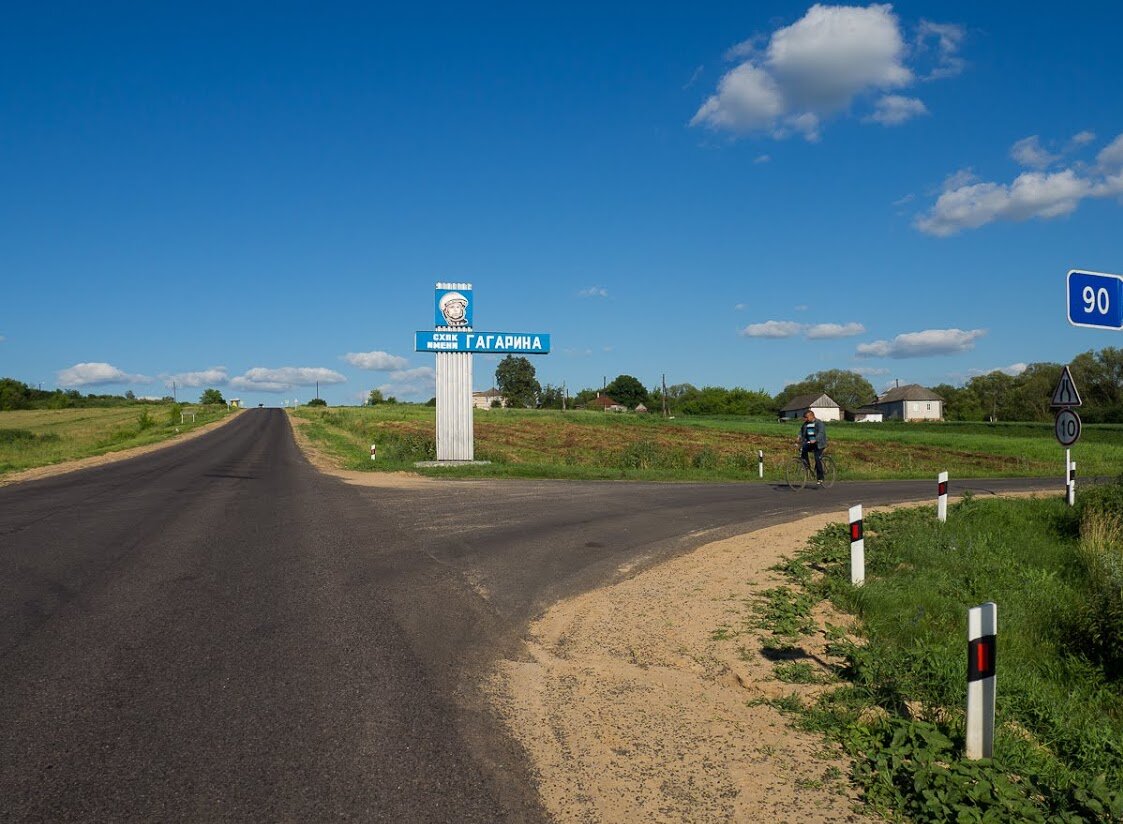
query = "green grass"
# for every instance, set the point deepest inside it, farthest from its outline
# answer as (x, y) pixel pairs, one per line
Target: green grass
(1059, 739)
(31, 438)
(595, 445)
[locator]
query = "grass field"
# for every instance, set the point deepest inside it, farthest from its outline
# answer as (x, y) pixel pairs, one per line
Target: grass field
(1056, 575)
(530, 443)
(31, 438)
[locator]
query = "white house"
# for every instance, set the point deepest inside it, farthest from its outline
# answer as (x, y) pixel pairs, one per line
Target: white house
(911, 403)
(483, 400)
(823, 406)
(866, 414)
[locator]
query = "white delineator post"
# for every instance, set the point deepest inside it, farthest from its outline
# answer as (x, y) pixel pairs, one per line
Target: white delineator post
(760, 462)
(982, 635)
(1068, 471)
(1072, 483)
(373, 452)
(942, 496)
(857, 547)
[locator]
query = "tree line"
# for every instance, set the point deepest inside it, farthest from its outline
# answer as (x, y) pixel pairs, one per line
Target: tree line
(995, 396)
(16, 394)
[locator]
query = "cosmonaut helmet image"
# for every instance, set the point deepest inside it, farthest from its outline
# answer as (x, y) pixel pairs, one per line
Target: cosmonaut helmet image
(454, 308)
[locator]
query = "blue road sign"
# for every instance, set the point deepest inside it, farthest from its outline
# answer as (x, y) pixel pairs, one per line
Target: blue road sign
(509, 343)
(1095, 299)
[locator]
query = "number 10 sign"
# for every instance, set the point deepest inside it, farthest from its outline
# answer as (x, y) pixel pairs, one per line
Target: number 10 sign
(1095, 299)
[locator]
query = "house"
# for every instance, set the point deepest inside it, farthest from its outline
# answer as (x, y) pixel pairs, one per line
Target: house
(484, 400)
(911, 403)
(640, 409)
(865, 414)
(822, 405)
(603, 402)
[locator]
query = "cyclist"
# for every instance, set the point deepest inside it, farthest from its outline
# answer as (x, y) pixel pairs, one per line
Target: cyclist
(813, 437)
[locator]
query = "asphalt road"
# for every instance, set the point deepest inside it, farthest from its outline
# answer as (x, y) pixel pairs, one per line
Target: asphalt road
(216, 631)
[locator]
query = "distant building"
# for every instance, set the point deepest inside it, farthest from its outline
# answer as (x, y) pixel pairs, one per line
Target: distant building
(822, 405)
(484, 400)
(911, 403)
(603, 402)
(235, 403)
(640, 409)
(865, 414)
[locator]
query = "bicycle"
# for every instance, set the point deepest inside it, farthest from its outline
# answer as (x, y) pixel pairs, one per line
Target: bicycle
(798, 474)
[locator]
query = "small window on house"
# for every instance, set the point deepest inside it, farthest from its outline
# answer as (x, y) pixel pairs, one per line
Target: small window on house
(929, 407)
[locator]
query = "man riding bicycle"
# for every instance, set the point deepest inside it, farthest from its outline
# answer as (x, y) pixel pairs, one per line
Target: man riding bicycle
(813, 437)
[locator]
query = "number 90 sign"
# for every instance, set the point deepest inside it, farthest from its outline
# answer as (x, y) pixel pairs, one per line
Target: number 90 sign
(1095, 299)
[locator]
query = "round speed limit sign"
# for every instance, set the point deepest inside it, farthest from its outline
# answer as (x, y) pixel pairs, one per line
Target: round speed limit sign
(1067, 427)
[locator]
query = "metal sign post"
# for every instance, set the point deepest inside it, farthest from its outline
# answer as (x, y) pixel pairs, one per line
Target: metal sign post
(1066, 426)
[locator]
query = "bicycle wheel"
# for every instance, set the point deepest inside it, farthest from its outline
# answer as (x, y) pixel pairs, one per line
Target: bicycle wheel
(795, 473)
(830, 471)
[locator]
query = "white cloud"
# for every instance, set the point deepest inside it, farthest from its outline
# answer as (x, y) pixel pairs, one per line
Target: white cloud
(894, 109)
(1032, 194)
(827, 331)
(1030, 153)
(740, 307)
(801, 308)
(762, 159)
(376, 361)
(949, 37)
(922, 344)
(966, 203)
(812, 331)
(1012, 370)
(215, 376)
(260, 379)
(904, 201)
(871, 371)
(420, 382)
(1110, 157)
(94, 374)
(816, 67)
(593, 292)
(1082, 138)
(773, 329)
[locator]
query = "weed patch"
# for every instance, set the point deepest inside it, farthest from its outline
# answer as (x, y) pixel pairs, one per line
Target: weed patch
(899, 712)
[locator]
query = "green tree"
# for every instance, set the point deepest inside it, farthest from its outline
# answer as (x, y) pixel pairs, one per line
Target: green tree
(627, 390)
(515, 379)
(375, 397)
(317, 402)
(550, 397)
(14, 394)
(846, 388)
(211, 397)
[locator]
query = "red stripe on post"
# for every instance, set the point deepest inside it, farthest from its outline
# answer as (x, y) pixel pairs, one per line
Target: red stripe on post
(856, 531)
(942, 488)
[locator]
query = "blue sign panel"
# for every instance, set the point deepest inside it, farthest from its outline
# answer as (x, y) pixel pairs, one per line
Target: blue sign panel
(453, 307)
(507, 343)
(1095, 299)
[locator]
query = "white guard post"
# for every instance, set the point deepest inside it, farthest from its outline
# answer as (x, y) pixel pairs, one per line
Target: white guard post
(1068, 471)
(760, 462)
(942, 497)
(857, 547)
(1072, 484)
(982, 634)
(455, 436)
(374, 452)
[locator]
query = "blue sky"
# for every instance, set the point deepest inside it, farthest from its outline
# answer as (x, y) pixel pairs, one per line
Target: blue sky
(256, 196)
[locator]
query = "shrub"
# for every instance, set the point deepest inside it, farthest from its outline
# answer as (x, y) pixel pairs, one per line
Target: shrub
(145, 421)
(1101, 553)
(16, 436)
(706, 458)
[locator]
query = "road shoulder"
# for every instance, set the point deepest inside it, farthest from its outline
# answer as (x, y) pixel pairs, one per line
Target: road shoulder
(51, 470)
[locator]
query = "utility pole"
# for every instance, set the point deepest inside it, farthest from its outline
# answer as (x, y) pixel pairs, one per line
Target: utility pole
(317, 390)
(664, 394)
(175, 397)
(565, 395)
(604, 393)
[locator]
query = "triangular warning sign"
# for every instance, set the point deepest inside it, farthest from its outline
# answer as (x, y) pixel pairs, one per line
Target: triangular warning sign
(1065, 394)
